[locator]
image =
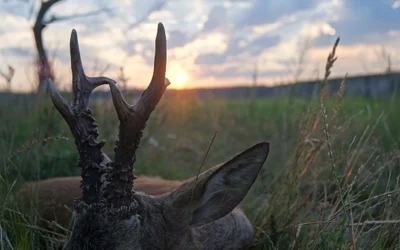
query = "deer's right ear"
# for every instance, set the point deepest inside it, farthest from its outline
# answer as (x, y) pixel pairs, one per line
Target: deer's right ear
(216, 192)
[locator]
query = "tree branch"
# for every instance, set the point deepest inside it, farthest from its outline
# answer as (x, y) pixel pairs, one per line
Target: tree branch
(155, 7)
(54, 19)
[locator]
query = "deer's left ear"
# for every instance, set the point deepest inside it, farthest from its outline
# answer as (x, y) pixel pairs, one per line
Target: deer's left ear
(216, 192)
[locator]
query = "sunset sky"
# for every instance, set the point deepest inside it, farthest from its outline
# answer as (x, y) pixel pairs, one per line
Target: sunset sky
(211, 43)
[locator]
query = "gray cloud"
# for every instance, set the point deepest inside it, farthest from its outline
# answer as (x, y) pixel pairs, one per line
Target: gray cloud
(17, 51)
(157, 5)
(255, 47)
(178, 39)
(261, 43)
(363, 22)
(209, 59)
(267, 11)
(239, 72)
(216, 18)
(16, 8)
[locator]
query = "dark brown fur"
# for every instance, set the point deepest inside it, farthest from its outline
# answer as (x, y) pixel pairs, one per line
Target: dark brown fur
(54, 198)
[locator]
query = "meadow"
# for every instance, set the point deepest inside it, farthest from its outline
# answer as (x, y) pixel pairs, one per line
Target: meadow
(311, 194)
(331, 180)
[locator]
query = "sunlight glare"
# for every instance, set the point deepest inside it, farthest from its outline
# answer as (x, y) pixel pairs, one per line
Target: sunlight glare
(180, 80)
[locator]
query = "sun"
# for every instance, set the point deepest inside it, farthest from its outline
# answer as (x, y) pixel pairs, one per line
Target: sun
(180, 80)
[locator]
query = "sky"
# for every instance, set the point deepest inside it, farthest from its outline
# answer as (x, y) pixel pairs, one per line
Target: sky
(211, 43)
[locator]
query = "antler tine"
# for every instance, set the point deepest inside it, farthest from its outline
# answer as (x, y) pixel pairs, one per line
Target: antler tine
(133, 120)
(82, 86)
(82, 124)
(76, 64)
(152, 95)
(58, 100)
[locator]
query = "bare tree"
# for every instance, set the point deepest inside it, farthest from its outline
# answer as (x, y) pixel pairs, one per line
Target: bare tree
(155, 7)
(123, 79)
(44, 67)
(296, 66)
(8, 77)
(386, 59)
(253, 91)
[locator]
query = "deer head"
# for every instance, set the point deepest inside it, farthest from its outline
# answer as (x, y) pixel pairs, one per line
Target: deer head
(110, 215)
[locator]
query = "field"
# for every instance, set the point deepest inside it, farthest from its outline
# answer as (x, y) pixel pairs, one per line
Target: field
(331, 180)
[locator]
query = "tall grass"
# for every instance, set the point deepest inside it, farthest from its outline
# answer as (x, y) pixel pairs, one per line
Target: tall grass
(331, 180)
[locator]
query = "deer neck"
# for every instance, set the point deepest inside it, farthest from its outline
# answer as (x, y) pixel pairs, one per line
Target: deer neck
(234, 231)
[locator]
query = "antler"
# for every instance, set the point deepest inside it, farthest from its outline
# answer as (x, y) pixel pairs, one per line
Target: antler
(82, 124)
(102, 180)
(133, 120)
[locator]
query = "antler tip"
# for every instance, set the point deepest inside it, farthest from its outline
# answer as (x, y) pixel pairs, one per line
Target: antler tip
(167, 82)
(161, 31)
(74, 35)
(74, 45)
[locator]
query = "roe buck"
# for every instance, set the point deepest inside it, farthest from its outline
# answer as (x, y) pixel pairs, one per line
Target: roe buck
(201, 213)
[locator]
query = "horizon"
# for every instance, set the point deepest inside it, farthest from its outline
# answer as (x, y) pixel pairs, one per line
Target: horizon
(259, 85)
(211, 44)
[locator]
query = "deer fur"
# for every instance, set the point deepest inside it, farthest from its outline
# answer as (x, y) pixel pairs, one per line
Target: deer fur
(201, 213)
(54, 198)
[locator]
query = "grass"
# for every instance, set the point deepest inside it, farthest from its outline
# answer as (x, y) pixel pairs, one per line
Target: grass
(331, 180)
(295, 203)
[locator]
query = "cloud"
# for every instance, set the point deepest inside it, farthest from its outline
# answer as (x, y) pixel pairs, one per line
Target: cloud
(214, 22)
(219, 40)
(259, 44)
(363, 22)
(212, 58)
(237, 47)
(146, 14)
(267, 11)
(215, 19)
(238, 71)
(396, 4)
(16, 51)
(178, 39)
(14, 8)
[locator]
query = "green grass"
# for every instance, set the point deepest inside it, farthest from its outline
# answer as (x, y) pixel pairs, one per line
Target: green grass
(296, 203)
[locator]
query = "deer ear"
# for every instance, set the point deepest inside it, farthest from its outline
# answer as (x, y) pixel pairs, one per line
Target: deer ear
(216, 192)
